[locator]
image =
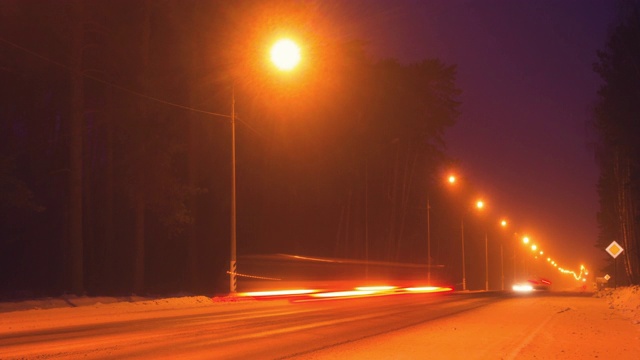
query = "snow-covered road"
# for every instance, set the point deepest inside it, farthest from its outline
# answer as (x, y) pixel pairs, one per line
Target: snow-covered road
(406, 327)
(525, 328)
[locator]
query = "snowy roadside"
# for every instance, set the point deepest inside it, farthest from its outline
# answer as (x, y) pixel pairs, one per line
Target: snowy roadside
(72, 301)
(624, 300)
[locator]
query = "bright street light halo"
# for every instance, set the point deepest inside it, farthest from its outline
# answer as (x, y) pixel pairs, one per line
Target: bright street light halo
(285, 54)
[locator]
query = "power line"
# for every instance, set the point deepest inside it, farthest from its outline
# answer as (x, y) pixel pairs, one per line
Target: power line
(119, 87)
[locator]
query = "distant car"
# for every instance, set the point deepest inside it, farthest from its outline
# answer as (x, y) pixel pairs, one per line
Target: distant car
(540, 283)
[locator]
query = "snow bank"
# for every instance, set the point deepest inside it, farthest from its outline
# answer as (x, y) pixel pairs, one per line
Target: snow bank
(71, 301)
(625, 300)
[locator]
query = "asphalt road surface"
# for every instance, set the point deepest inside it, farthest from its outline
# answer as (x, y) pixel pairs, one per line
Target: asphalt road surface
(453, 325)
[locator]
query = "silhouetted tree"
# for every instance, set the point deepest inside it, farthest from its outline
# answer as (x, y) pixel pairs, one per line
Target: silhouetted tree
(618, 150)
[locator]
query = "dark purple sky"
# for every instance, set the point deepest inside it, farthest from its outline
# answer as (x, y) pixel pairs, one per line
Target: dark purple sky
(526, 71)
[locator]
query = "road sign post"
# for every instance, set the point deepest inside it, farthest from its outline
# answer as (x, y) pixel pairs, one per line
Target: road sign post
(614, 249)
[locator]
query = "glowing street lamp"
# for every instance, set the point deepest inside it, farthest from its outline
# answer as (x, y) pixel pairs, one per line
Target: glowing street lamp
(525, 241)
(285, 55)
(452, 180)
(428, 239)
(503, 224)
(480, 206)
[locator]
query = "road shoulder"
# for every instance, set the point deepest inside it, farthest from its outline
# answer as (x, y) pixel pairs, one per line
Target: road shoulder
(539, 327)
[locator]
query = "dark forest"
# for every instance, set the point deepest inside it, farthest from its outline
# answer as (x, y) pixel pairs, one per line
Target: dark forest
(115, 158)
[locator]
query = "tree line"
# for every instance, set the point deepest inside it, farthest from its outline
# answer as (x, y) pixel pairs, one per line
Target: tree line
(115, 161)
(617, 126)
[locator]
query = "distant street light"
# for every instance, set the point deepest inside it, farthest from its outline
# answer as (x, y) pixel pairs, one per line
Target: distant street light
(525, 241)
(480, 206)
(486, 261)
(503, 223)
(515, 262)
(464, 275)
(452, 180)
(428, 241)
(232, 262)
(285, 55)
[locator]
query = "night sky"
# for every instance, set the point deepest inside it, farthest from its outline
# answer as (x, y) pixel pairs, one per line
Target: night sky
(522, 138)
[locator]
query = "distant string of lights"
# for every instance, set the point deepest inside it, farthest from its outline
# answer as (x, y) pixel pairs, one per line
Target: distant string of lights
(580, 276)
(536, 252)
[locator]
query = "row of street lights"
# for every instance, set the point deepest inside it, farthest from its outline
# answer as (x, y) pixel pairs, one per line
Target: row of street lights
(285, 55)
(452, 180)
(480, 205)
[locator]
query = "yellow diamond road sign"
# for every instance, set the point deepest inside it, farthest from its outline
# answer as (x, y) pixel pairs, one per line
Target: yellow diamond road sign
(614, 249)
